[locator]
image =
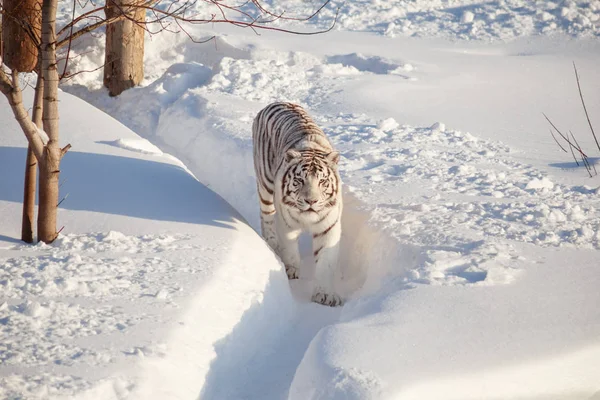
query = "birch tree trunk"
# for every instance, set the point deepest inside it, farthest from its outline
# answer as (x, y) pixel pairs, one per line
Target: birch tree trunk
(20, 36)
(49, 164)
(124, 54)
(29, 197)
(31, 169)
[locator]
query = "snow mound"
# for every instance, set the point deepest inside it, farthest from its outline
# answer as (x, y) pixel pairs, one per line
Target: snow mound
(461, 343)
(388, 124)
(139, 145)
(543, 183)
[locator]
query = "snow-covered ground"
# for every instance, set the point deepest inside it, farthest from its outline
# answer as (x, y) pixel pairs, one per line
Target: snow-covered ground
(471, 241)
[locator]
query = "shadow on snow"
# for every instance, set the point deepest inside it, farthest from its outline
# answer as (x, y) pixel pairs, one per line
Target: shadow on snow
(124, 186)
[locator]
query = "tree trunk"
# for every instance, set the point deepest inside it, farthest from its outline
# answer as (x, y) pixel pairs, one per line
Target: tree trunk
(20, 35)
(48, 155)
(50, 162)
(124, 54)
(29, 197)
(21, 21)
(31, 169)
(49, 174)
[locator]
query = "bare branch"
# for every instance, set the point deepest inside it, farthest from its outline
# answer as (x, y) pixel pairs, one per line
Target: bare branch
(71, 76)
(243, 24)
(87, 29)
(70, 42)
(280, 16)
(586, 158)
(75, 21)
(566, 139)
(557, 142)
(13, 93)
(584, 107)
(571, 148)
(178, 14)
(64, 150)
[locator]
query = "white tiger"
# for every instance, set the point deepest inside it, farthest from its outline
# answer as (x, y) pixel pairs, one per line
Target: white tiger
(299, 189)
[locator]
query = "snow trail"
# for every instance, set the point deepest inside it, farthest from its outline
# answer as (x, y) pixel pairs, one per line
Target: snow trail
(270, 367)
(222, 159)
(269, 362)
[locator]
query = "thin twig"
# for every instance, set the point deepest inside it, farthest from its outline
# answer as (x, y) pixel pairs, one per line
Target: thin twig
(557, 142)
(566, 139)
(71, 76)
(70, 42)
(584, 107)
(64, 150)
(63, 199)
(572, 152)
(587, 166)
(585, 159)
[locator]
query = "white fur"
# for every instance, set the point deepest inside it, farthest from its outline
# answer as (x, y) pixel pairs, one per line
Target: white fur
(306, 207)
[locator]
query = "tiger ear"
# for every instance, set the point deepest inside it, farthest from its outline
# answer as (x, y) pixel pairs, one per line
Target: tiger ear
(333, 157)
(291, 154)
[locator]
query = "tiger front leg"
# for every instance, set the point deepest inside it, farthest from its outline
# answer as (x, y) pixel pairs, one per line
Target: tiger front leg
(267, 219)
(326, 249)
(287, 250)
(267, 227)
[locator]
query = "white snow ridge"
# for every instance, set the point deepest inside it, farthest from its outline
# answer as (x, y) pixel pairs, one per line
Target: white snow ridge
(470, 244)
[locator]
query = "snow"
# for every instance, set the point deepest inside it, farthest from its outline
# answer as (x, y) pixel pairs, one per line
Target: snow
(462, 343)
(470, 240)
(141, 267)
(543, 183)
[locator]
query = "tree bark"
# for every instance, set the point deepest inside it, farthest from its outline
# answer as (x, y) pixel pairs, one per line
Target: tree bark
(29, 197)
(49, 164)
(21, 36)
(21, 21)
(124, 54)
(31, 169)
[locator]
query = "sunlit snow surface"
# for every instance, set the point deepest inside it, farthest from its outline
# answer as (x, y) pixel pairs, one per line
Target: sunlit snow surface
(470, 248)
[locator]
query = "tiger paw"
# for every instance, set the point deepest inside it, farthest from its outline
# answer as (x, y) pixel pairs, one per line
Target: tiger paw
(292, 272)
(327, 299)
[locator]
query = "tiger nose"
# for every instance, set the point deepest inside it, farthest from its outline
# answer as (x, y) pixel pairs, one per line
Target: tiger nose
(310, 202)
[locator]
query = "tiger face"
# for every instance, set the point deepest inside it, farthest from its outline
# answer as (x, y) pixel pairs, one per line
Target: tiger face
(311, 181)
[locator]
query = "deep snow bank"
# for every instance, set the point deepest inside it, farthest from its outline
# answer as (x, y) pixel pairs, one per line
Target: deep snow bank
(154, 286)
(534, 339)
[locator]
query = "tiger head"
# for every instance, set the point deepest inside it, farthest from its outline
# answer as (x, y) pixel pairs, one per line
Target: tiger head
(311, 181)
